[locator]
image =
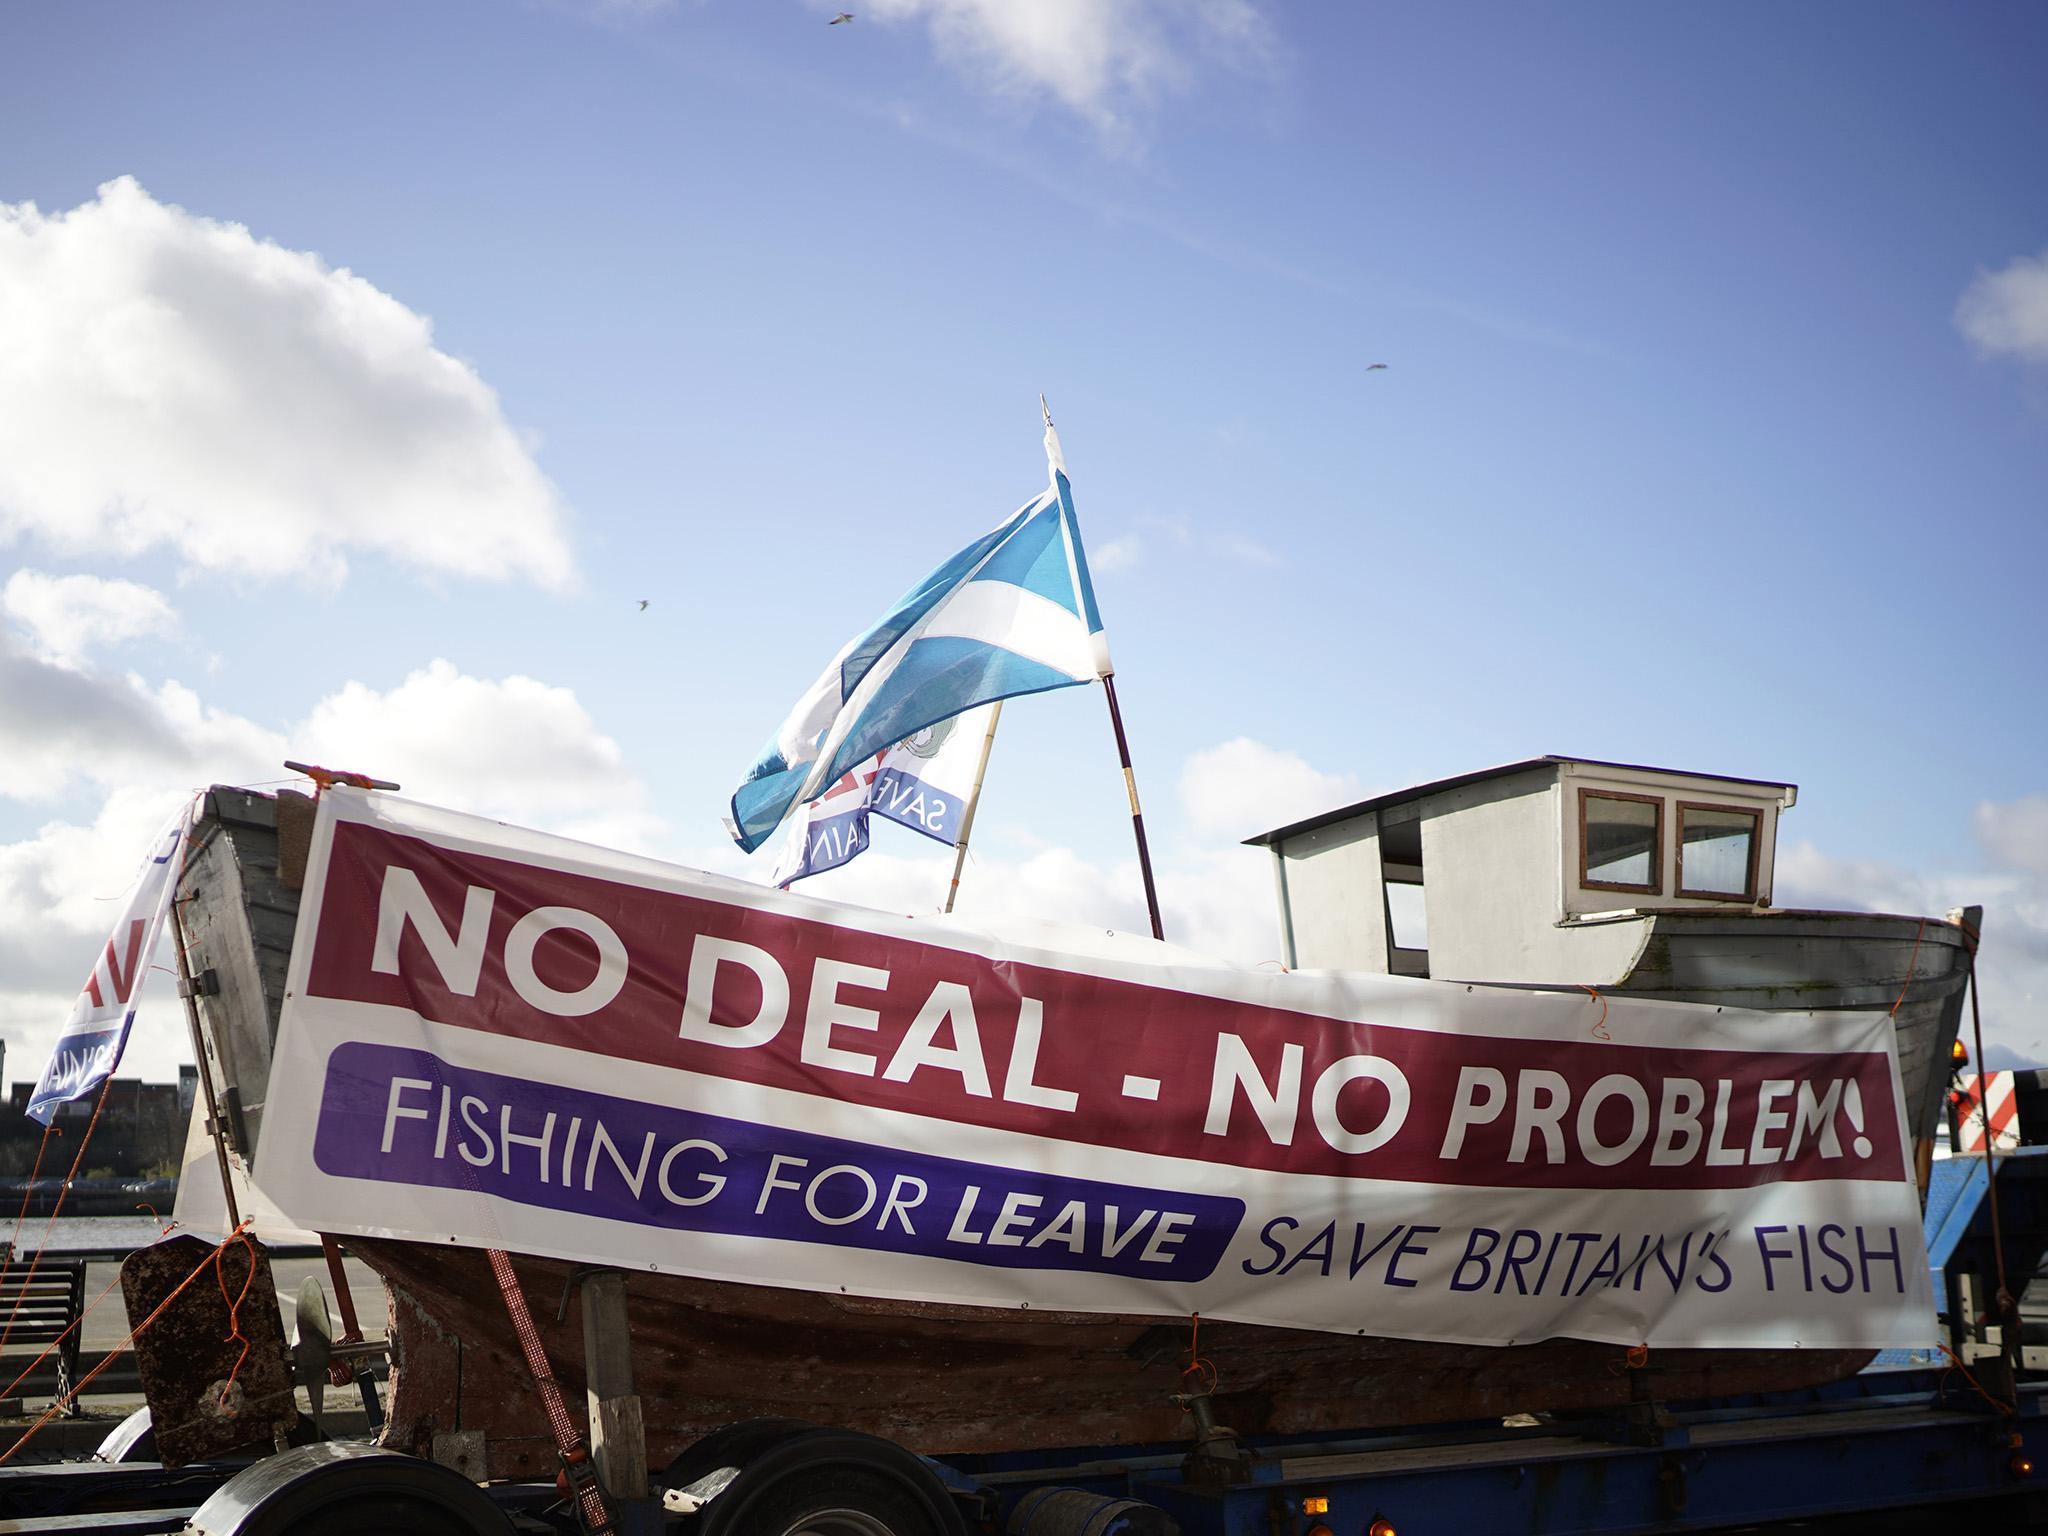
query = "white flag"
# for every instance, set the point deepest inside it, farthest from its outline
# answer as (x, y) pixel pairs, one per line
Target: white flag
(923, 782)
(90, 1045)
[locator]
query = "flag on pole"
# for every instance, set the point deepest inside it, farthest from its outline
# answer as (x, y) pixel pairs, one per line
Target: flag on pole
(923, 783)
(1012, 613)
(90, 1044)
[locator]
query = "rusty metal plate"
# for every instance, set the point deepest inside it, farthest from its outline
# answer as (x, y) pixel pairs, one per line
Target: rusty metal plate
(201, 1404)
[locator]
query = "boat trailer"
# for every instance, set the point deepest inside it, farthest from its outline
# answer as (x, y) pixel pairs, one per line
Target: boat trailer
(1960, 1430)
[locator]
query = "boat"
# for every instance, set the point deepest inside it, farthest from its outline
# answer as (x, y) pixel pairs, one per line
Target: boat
(1630, 880)
(936, 1377)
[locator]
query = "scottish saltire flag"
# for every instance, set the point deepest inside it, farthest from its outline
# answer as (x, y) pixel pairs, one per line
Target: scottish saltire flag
(922, 783)
(1012, 613)
(90, 1045)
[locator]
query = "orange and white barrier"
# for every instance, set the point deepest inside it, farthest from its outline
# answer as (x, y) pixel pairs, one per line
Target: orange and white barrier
(1997, 1107)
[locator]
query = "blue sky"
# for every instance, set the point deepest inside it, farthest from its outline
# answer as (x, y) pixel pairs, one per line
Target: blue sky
(1684, 453)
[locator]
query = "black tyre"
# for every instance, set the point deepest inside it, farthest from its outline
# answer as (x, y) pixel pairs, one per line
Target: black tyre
(345, 1489)
(376, 1515)
(828, 1482)
(839, 1501)
(733, 1445)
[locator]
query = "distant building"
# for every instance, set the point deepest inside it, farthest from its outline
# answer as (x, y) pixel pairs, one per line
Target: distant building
(141, 1131)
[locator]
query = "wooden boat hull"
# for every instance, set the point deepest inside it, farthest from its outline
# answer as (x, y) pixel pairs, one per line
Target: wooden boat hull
(936, 1378)
(966, 1379)
(1918, 967)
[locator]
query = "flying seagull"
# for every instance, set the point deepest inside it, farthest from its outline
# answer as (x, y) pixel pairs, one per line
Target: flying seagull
(842, 16)
(1374, 367)
(644, 602)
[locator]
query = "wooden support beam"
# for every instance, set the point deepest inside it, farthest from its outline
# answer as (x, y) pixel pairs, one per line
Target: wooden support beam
(618, 1437)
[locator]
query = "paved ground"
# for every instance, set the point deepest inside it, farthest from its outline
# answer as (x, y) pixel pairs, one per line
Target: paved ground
(108, 1324)
(107, 1327)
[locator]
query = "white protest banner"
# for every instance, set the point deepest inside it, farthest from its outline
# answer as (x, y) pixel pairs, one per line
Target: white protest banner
(505, 1038)
(89, 1046)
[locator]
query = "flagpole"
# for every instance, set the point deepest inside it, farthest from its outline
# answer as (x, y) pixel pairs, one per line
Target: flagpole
(973, 799)
(1056, 461)
(1123, 752)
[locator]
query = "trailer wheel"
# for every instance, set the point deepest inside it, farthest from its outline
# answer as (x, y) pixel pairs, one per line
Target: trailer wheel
(732, 1445)
(840, 1501)
(342, 1488)
(832, 1482)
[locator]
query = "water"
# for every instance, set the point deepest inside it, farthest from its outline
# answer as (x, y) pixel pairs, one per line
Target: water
(74, 1232)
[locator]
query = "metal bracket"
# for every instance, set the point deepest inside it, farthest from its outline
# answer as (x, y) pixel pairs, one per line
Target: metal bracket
(1219, 1457)
(205, 984)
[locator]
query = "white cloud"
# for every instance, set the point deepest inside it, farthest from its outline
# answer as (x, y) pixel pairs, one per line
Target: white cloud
(63, 725)
(509, 747)
(2012, 964)
(514, 748)
(2007, 310)
(1230, 544)
(1215, 898)
(70, 616)
(1104, 60)
(1214, 902)
(1117, 555)
(68, 881)
(59, 893)
(2015, 834)
(172, 381)
(1244, 786)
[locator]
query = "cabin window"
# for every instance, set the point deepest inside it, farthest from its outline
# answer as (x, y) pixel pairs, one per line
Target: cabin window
(1402, 888)
(1717, 848)
(1407, 915)
(1621, 842)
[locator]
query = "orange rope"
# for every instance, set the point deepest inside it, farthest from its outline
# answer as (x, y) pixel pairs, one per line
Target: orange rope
(1956, 1364)
(235, 1309)
(113, 1354)
(1912, 966)
(1599, 1024)
(14, 1242)
(63, 1190)
(8, 1390)
(1202, 1370)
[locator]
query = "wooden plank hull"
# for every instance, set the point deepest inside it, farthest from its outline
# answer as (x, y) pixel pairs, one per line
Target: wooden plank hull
(1822, 960)
(966, 1379)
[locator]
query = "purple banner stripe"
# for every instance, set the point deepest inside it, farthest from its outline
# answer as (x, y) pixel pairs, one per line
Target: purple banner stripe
(400, 1116)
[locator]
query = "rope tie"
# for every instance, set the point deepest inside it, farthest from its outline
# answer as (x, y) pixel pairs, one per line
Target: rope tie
(1198, 1376)
(14, 1242)
(234, 1305)
(63, 1191)
(1599, 1030)
(1955, 1364)
(29, 1369)
(1913, 966)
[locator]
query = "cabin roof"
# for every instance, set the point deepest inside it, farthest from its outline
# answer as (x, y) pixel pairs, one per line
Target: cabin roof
(1434, 786)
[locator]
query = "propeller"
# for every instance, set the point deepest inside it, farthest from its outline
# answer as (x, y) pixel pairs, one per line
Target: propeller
(312, 1342)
